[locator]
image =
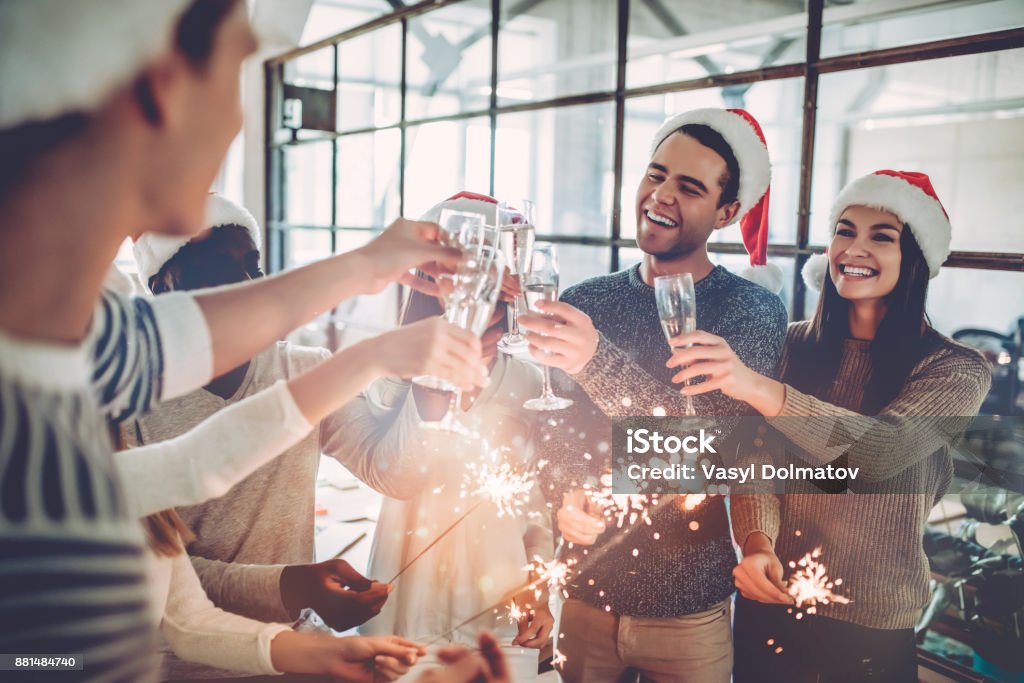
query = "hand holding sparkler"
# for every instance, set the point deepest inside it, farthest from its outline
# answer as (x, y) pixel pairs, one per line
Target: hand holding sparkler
(466, 666)
(529, 611)
(579, 518)
(759, 575)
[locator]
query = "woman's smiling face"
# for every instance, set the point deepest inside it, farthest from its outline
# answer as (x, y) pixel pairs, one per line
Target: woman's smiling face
(864, 255)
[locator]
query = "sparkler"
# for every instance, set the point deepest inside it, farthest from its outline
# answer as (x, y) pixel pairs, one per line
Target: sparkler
(501, 484)
(444, 533)
(810, 585)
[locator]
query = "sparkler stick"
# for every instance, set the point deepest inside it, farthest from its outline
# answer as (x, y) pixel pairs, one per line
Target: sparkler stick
(436, 540)
(582, 566)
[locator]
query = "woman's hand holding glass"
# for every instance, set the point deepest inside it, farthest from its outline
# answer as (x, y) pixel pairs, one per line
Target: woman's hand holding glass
(702, 354)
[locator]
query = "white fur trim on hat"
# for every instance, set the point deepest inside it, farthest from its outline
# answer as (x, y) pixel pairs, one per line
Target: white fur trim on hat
(911, 205)
(461, 203)
(751, 154)
(153, 250)
(59, 57)
(815, 271)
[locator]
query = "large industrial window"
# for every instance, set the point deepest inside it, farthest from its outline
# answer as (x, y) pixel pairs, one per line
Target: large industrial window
(556, 100)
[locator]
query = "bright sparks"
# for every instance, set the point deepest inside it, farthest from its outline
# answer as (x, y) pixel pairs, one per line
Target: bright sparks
(501, 484)
(810, 585)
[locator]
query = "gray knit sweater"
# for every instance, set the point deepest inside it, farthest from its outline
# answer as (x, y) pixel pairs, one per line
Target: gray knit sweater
(682, 563)
(870, 540)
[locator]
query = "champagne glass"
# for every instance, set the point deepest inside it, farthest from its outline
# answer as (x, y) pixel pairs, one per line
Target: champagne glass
(677, 309)
(467, 231)
(470, 306)
(516, 234)
(541, 284)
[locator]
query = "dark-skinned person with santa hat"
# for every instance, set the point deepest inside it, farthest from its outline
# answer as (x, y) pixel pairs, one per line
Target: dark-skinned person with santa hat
(123, 128)
(659, 604)
(867, 360)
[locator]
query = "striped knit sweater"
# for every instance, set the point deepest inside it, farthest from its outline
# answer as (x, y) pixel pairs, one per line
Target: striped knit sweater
(870, 540)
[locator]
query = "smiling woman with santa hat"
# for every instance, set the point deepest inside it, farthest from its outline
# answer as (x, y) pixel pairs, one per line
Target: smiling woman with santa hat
(868, 352)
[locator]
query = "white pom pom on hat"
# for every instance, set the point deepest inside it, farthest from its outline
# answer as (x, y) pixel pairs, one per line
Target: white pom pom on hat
(59, 57)
(153, 250)
(743, 134)
(907, 194)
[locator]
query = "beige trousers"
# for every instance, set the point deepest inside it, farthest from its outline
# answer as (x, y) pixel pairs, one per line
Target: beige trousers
(601, 647)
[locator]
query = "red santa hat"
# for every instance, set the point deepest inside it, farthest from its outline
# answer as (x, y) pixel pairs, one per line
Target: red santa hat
(465, 201)
(153, 250)
(907, 194)
(58, 57)
(743, 134)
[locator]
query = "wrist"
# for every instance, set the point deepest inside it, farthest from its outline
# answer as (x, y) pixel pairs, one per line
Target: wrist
(293, 595)
(757, 542)
(359, 261)
(367, 361)
(767, 395)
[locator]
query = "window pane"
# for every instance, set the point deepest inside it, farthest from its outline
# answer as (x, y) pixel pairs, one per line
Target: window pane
(445, 158)
(863, 26)
(307, 180)
(368, 168)
(960, 120)
(313, 70)
(562, 159)
(327, 18)
(306, 246)
(556, 48)
(963, 297)
(577, 262)
(448, 60)
(676, 41)
(369, 79)
(775, 104)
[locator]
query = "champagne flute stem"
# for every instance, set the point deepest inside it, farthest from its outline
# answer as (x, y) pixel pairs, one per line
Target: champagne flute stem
(514, 326)
(546, 390)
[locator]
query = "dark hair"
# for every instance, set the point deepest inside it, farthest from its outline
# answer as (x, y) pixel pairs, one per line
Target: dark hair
(198, 26)
(903, 337)
(210, 262)
(24, 143)
(713, 140)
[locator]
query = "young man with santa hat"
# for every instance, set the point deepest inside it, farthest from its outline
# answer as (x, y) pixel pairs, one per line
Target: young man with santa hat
(120, 129)
(658, 604)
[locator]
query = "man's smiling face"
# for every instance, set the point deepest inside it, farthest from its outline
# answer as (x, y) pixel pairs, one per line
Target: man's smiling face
(677, 200)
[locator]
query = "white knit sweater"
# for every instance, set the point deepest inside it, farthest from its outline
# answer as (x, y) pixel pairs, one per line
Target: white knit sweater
(201, 464)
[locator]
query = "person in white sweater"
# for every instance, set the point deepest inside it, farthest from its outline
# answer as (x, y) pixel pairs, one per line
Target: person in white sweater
(429, 478)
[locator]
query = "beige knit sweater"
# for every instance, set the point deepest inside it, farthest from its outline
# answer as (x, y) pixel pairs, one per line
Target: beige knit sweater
(870, 540)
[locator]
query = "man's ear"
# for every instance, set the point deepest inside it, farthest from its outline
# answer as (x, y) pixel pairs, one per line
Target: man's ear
(726, 214)
(160, 91)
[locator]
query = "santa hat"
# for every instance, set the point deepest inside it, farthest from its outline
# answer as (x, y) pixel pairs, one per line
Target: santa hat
(907, 194)
(59, 57)
(153, 250)
(465, 201)
(742, 133)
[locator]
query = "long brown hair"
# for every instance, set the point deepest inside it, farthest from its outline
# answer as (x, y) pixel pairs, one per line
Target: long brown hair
(166, 532)
(903, 338)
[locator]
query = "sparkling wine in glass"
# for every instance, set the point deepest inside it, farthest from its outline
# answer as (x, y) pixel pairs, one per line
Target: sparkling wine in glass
(677, 309)
(541, 284)
(516, 237)
(467, 231)
(470, 306)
